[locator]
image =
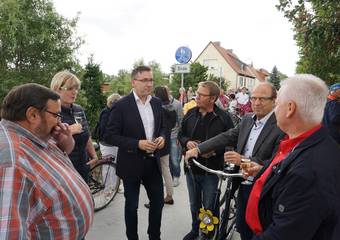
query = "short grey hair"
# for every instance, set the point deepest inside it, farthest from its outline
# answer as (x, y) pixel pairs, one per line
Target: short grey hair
(114, 97)
(308, 92)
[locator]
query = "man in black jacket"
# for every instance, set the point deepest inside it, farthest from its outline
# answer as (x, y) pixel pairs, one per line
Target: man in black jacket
(204, 121)
(136, 126)
(255, 137)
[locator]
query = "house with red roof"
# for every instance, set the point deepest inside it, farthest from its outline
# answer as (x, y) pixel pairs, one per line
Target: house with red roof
(224, 63)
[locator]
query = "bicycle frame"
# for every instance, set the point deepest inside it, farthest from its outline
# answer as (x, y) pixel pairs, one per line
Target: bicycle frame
(221, 226)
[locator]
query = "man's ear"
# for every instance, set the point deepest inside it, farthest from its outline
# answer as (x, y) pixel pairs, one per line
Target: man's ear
(32, 114)
(291, 109)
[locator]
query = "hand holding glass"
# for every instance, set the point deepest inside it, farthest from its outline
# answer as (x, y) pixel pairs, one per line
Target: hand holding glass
(245, 163)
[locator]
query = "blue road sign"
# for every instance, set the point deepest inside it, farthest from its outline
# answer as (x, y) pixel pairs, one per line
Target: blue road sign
(183, 55)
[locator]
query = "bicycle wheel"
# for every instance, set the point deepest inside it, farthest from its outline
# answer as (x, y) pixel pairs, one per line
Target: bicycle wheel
(104, 184)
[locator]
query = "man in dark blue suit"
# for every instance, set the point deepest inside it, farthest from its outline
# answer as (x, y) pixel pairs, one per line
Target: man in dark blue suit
(297, 195)
(136, 126)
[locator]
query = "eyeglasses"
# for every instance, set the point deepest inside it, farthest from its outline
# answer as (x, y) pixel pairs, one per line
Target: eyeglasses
(198, 94)
(261, 99)
(145, 80)
(70, 88)
(56, 115)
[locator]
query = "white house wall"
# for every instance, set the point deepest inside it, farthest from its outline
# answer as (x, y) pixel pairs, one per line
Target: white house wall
(211, 58)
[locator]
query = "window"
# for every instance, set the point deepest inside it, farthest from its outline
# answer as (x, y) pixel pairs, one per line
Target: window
(241, 81)
(211, 64)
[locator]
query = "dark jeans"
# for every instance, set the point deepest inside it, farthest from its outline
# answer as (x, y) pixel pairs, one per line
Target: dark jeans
(242, 200)
(175, 158)
(205, 186)
(153, 184)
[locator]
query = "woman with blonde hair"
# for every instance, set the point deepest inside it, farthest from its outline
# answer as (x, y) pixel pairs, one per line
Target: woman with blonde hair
(67, 85)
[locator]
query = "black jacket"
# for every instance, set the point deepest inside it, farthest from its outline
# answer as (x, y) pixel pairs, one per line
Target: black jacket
(220, 121)
(125, 128)
(301, 197)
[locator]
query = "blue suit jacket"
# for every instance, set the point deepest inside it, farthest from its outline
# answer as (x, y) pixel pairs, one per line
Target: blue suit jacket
(301, 197)
(125, 128)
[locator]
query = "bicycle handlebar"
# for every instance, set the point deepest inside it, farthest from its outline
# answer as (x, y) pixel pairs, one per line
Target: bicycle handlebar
(216, 172)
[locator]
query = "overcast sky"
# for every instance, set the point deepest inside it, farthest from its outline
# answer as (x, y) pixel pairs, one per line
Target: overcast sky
(119, 32)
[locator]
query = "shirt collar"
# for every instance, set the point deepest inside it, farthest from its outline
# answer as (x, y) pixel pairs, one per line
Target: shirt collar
(148, 99)
(287, 144)
(263, 120)
(24, 132)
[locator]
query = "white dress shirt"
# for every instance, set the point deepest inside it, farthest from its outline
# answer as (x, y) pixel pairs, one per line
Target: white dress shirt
(146, 114)
(254, 134)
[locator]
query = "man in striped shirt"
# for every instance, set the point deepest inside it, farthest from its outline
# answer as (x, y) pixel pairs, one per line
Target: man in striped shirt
(41, 195)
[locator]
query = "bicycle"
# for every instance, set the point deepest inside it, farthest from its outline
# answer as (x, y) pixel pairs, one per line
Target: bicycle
(226, 221)
(103, 182)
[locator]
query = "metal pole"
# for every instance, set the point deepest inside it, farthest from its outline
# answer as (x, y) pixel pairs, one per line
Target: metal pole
(182, 80)
(220, 77)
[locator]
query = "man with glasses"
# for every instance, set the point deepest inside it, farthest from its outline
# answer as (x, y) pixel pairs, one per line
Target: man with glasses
(201, 123)
(137, 128)
(255, 137)
(42, 195)
(297, 195)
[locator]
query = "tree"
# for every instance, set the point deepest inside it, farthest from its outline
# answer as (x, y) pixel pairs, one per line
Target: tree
(317, 34)
(198, 73)
(35, 42)
(122, 82)
(275, 78)
(95, 100)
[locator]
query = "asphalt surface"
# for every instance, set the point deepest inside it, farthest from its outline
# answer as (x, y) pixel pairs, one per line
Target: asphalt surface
(176, 219)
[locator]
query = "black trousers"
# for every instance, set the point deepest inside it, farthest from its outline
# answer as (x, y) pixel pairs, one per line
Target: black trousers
(153, 184)
(242, 200)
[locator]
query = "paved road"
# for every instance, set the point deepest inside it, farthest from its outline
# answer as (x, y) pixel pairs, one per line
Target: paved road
(176, 221)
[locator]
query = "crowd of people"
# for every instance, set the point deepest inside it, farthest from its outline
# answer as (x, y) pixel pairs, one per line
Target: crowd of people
(291, 137)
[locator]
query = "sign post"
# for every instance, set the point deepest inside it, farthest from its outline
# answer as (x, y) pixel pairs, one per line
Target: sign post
(183, 56)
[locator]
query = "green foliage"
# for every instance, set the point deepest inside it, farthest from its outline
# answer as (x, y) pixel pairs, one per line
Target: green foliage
(317, 34)
(35, 43)
(95, 100)
(221, 82)
(275, 78)
(122, 82)
(198, 73)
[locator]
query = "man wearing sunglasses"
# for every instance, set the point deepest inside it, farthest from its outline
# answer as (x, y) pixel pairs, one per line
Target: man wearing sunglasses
(42, 195)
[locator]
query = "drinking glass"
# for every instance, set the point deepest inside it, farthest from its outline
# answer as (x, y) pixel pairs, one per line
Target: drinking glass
(230, 166)
(245, 163)
(79, 119)
(151, 153)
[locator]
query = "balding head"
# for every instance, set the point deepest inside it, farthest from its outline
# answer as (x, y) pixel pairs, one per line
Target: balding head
(263, 99)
